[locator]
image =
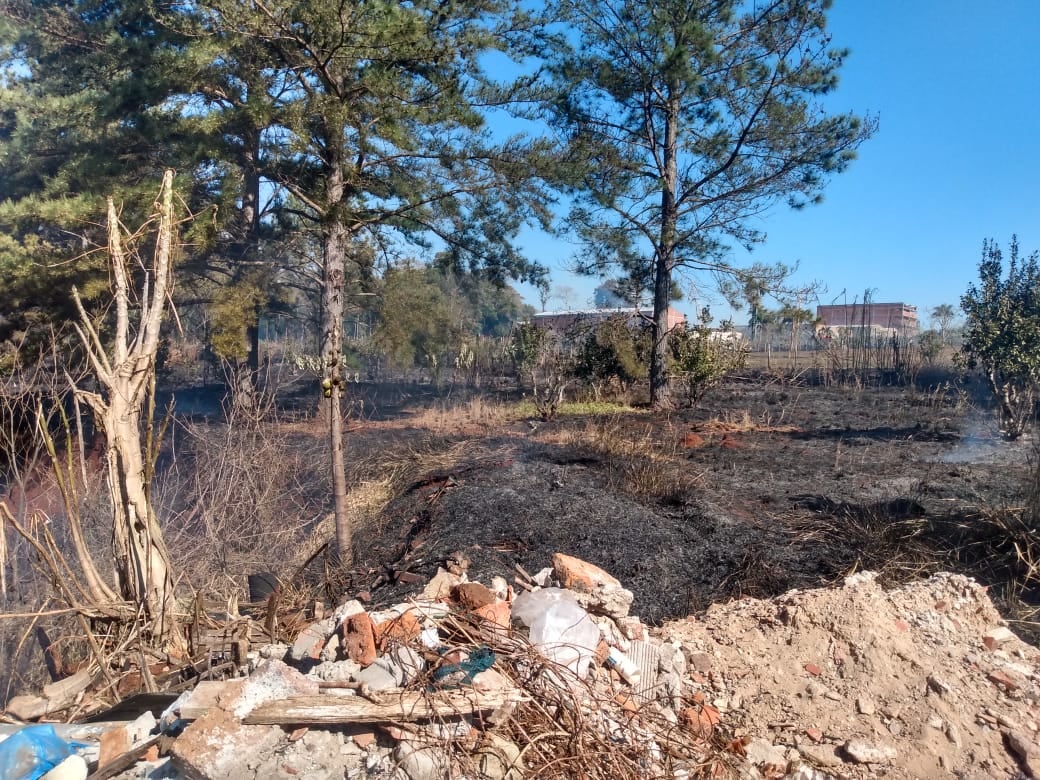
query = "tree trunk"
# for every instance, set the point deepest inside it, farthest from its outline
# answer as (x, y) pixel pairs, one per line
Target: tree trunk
(664, 263)
(333, 305)
(125, 372)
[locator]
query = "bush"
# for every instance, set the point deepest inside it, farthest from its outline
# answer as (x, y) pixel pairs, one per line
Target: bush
(701, 360)
(1002, 332)
(613, 353)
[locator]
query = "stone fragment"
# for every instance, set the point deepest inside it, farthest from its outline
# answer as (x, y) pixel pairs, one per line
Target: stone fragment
(113, 743)
(595, 589)
(330, 652)
(998, 636)
(439, 588)
(1002, 679)
(498, 758)
(394, 670)
(310, 640)
(823, 755)
(364, 739)
(863, 752)
(472, 595)
(499, 613)
(400, 629)
(359, 639)
(217, 746)
(814, 734)
(813, 669)
(865, 706)
(500, 587)
(701, 662)
(491, 680)
(1026, 750)
(416, 761)
(938, 685)
(764, 754)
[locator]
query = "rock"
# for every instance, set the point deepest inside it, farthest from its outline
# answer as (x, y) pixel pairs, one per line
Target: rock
(420, 762)
(359, 639)
(500, 588)
(498, 758)
(764, 754)
(472, 595)
(439, 588)
(401, 629)
(803, 772)
(822, 755)
(394, 670)
(499, 613)
(346, 610)
(114, 742)
(595, 589)
(865, 706)
(997, 636)
(308, 643)
(330, 652)
(218, 746)
(863, 752)
(1026, 750)
(364, 739)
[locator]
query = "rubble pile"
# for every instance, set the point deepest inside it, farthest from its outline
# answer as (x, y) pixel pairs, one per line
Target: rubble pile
(552, 677)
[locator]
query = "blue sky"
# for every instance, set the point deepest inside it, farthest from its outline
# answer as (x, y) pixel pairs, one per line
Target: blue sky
(956, 86)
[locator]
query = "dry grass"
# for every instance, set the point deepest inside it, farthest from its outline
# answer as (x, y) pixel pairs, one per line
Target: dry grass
(640, 458)
(745, 422)
(473, 417)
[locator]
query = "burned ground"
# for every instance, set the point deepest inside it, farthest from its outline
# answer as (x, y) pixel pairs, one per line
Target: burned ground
(764, 488)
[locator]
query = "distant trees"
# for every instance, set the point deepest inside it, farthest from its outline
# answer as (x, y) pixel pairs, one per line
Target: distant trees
(943, 316)
(1002, 331)
(694, 117)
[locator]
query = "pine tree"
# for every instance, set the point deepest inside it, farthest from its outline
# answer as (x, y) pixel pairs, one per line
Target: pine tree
(694, 116)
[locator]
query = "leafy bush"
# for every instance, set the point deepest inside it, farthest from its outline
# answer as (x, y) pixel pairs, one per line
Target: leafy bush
(1002, 332)
(700, 360)
(612, 353)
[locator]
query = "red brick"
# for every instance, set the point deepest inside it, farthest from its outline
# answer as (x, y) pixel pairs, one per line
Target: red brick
(498, 613)
(114, 742)
(472, 595)
(359, 639)
(576, 574)
(813, 669)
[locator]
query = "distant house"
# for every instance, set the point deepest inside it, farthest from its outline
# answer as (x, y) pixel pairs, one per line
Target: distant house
(563, 321)
(886, 318)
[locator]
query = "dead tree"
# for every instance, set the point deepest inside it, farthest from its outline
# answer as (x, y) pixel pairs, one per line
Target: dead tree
(126, 374)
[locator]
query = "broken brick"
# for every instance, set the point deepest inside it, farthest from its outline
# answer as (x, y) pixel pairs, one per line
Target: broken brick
(359, 639)
(813, 669)
(472, 595)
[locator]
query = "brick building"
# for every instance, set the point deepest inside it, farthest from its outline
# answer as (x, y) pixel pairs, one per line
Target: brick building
(899, 317)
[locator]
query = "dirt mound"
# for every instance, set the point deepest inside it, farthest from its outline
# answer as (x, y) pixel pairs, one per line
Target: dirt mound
(924, 678)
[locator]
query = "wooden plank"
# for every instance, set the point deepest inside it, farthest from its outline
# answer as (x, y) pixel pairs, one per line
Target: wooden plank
(388, 706)
(124, 761)
(57, 696)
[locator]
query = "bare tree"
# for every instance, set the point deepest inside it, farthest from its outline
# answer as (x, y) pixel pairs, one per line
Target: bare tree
(126, 373)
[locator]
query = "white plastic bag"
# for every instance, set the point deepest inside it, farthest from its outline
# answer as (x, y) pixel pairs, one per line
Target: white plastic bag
(559, 628)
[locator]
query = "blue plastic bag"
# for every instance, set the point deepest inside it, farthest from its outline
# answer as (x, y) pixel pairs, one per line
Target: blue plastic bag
(32, 753)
